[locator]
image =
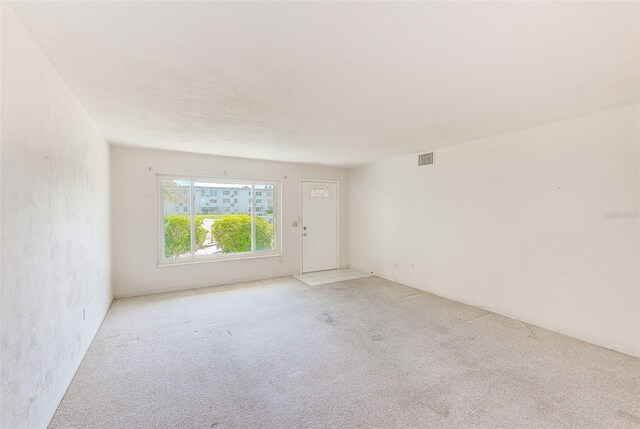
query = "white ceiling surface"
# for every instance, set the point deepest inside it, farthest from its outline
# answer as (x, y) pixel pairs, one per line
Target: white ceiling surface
(335, 83)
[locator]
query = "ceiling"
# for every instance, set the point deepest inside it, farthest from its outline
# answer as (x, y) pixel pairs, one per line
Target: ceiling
(335, 83)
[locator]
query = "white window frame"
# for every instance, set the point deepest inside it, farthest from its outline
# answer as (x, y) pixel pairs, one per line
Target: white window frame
(254, 253)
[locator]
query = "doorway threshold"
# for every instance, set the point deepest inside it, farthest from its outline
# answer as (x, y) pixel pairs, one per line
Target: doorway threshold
(330, 276)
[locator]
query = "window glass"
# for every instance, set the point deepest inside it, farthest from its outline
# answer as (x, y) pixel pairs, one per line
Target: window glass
(319, 191)
(265, 217)
(223, 228)
(176, 219)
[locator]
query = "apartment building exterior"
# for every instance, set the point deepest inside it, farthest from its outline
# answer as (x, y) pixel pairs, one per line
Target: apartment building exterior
(222, 200)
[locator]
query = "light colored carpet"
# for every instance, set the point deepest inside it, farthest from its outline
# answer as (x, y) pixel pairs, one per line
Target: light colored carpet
(330, 276)
(361, 353)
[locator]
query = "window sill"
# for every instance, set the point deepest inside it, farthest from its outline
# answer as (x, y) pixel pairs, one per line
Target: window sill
(209, 260)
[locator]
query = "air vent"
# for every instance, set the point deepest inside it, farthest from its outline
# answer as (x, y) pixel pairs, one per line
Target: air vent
(425, 159)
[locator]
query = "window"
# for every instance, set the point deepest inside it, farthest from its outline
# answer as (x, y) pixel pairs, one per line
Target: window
(236, 228)
(319, 191)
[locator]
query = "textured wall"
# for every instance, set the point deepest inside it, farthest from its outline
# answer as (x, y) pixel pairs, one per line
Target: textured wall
(540, 224)
(55, 224)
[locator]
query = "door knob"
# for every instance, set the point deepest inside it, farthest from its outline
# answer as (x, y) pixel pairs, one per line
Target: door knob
(304, 227)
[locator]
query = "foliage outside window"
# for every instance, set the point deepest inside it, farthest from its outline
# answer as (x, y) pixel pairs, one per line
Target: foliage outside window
(201, 228)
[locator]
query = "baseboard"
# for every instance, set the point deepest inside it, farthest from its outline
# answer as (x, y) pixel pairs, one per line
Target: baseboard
(76, 365)
(537, 323)
(203, 286)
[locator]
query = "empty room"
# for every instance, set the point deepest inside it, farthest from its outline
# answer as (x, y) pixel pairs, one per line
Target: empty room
(319, 214)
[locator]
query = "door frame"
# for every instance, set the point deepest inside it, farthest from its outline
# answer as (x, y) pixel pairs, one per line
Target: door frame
(300, 226)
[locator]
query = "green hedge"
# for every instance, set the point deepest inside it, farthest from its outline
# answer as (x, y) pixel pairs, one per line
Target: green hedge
(177, 239)
(233, 233)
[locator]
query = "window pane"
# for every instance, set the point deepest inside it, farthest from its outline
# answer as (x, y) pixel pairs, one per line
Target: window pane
(222, 225)
(265, 217)
(176, 218)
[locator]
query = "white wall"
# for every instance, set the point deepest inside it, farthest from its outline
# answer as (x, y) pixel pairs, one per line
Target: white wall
(55, 232)
(540, 224)
(136, 219)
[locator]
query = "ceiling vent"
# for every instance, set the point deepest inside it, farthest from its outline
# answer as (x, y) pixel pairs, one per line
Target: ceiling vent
(425, 159)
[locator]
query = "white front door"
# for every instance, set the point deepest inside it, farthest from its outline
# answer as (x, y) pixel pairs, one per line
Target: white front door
(319, 226)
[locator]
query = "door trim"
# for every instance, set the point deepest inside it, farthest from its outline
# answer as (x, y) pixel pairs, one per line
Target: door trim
(300, 230)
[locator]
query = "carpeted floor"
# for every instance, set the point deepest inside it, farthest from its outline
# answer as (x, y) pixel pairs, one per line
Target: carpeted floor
(361, 353)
